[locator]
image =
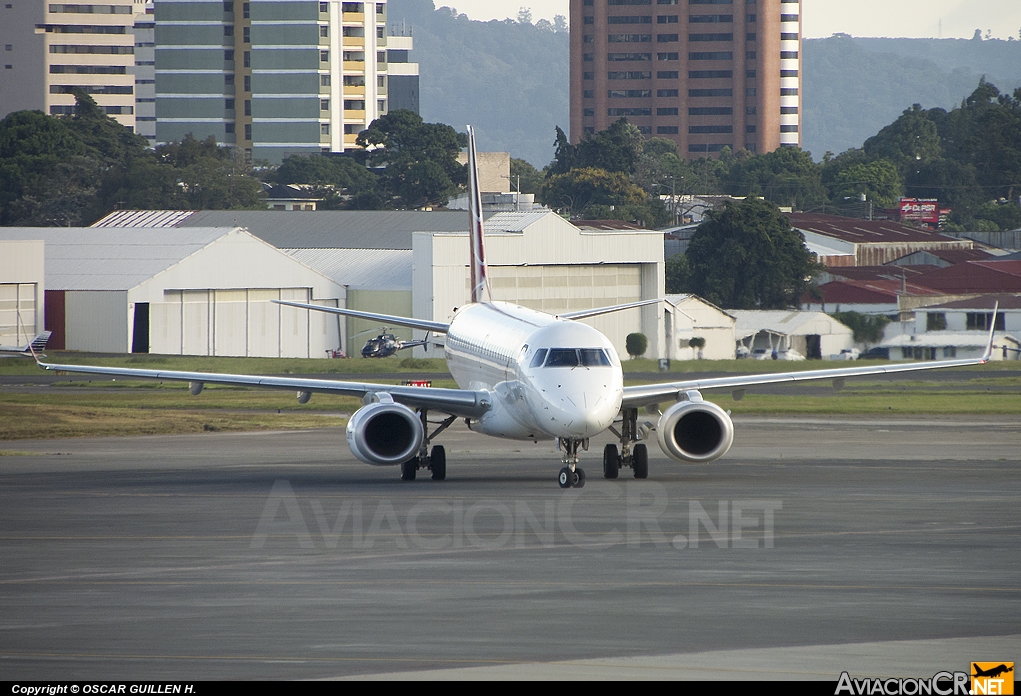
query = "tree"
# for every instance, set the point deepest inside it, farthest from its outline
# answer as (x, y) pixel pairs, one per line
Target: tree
(787, 176)
(877, 180)
(530, 178)
(910, 140)
(616, 149)
(748, 256)
(677, 274)
(636, 344)
(598, 194)
(867, 328)
(419, 159)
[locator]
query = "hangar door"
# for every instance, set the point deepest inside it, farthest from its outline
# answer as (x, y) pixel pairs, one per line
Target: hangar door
(17, 313)
(241, 323)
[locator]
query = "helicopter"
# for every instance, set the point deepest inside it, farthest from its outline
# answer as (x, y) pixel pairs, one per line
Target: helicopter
(386, 344)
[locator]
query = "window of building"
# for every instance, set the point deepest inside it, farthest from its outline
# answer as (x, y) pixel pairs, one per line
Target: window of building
(588, 39)
(788, 109)
(711, 37)
(711, 55)
(709, 74)
(666, 111)
(588, 57)
(324, 31)
(588, 112)
(324, 104)
(246, 10)
(666, 19)
(588, 76)
(629, 19)
(589, 20)
(667, 74)
(750, 110)
(228, 6)
(707, 147)
(667, 38)
(629, 111)
(588, 129)
(788, 18)
(788, 129)
(352, 129)
(629, 38)
(788, 91)
(628, 93)
(749, 73)
(666, 2)
(324, 80)
(630, 75)
(246, 34)
(710, 111)
(750, 36)
(666, 93)
(228, 104)
(788, 73)
(667, 56)
(788, 54)
(248, 83)
(710, 19)
(617, 57)
(588, 94)
(611, 3)
(710, 2)
(749, 55)
(324, 129)
(750, 92)
(666, 130)
(247, 55)
(749, 129)
(354, 105)
(751, 147)
(751, 18)
(248, 107)
(710, 129)
(935, 321)
(228, 55)
(723, 92)
(354, 80)
(324, 56)
(324, 7)
(228, 30)
(979, 321)
(248, 131)
(788, 36)
(228, 127)
(228, 80)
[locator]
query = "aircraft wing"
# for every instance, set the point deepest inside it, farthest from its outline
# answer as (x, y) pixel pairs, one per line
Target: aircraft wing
(37, 343)
(388, 319)
(457, 402)
(649, 394)
(584, 313)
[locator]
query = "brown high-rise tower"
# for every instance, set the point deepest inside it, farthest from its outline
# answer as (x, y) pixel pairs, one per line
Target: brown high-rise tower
(704, 73)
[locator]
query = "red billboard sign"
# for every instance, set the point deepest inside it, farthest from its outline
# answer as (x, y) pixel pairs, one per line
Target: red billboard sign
(920, 210)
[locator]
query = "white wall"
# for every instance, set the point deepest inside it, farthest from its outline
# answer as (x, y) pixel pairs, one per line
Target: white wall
(96, 321)
(21, 291)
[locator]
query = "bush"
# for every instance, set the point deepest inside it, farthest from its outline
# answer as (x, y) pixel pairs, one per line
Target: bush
(636, 344)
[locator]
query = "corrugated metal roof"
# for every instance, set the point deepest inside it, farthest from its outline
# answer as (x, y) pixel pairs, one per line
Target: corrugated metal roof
(866, 231)
(334, 229)
(514, 222)
(376, 269)
(778, 321)
(305, 229)
(90, 258)
(144, 218)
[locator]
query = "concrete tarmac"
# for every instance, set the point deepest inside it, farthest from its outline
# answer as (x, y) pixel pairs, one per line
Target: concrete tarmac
(881, 547)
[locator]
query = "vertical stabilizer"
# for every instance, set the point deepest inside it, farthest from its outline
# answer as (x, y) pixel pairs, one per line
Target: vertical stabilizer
(479, 280)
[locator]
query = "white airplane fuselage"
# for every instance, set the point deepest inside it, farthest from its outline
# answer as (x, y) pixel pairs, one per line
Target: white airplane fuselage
(573, 389)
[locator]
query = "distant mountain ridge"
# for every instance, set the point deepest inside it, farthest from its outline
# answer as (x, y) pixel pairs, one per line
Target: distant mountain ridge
(511, 80)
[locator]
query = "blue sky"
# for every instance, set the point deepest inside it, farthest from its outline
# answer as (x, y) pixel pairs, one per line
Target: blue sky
(911, 18)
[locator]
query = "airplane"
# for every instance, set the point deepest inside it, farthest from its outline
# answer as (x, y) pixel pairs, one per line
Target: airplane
(37, 343)
(525, 375)
(991, 672)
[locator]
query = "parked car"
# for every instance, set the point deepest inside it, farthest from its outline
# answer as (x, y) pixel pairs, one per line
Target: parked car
(790, 355)
(876, 353)
(848, 354)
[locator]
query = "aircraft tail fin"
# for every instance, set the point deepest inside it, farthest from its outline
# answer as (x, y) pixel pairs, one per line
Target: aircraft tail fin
(992, 328)
(480, 291)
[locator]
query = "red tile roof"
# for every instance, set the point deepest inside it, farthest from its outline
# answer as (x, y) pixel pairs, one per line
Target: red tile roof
(865, 231)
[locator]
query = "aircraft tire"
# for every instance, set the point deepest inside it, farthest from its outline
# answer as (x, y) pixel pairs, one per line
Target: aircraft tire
(611, 462)
(640, 462)
(579, 477)
(438, 462)
(409, 469)
(566, 478)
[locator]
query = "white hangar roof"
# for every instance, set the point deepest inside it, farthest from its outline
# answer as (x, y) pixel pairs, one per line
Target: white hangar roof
(87, 258)
(784, 322)
(361, 269)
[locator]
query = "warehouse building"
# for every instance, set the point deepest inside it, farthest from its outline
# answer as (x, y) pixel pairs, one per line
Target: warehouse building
(198, 291)
(22, 284)
(809, 334)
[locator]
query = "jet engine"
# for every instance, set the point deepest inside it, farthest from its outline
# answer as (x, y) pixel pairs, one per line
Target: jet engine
(383, 434)
(695, 431)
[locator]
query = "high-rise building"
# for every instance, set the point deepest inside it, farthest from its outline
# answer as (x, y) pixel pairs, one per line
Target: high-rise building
(51, 48)
(145, 72)
(274, 77)
(707, 74)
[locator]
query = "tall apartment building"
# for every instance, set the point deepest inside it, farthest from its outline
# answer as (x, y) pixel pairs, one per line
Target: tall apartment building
(704, 73)
(50, 48)
(275, 77)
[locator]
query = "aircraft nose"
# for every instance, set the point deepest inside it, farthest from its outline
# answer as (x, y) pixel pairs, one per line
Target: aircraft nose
(583, 414)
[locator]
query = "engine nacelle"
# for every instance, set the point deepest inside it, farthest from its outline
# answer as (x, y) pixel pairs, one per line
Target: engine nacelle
(695, 431)
(384, 434)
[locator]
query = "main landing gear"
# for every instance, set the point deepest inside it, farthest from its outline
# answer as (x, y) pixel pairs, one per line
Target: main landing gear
(636, 457)
(436, 461)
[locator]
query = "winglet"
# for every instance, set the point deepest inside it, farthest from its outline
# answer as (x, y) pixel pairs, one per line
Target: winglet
(479, 280)
(992, 327)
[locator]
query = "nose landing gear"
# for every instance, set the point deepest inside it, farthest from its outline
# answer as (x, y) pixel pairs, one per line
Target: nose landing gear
(572, 475)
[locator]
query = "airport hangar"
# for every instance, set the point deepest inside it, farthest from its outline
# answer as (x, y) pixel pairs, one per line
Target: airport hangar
(416, 263)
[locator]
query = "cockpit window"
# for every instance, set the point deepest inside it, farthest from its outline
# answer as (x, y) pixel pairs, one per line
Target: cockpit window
(573, 357)
(593, 357)
(539, 357)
